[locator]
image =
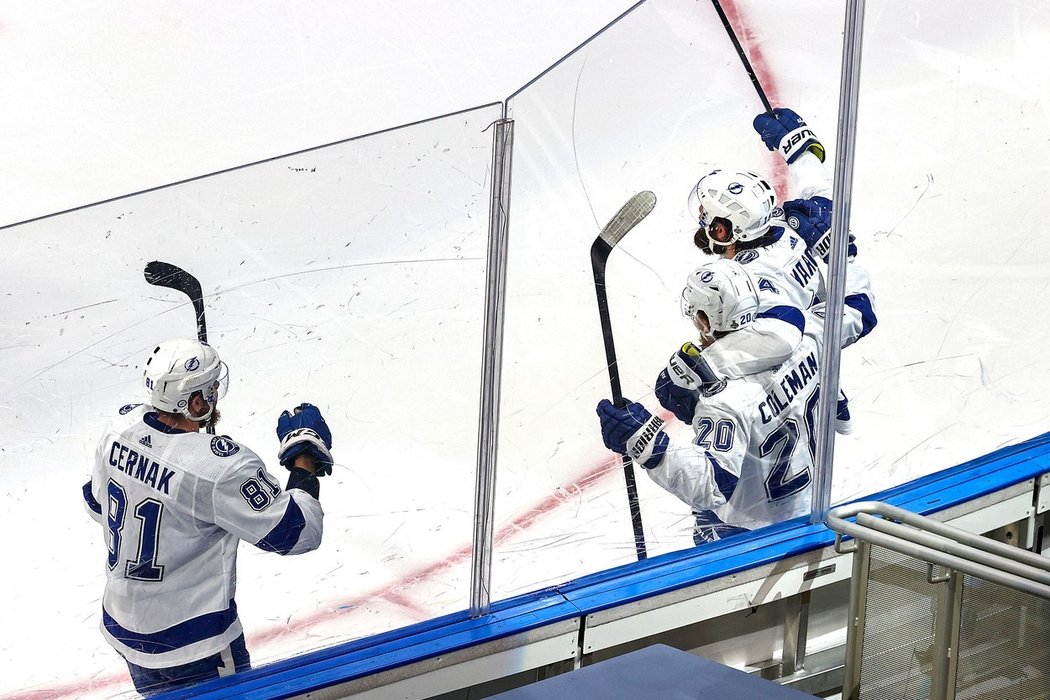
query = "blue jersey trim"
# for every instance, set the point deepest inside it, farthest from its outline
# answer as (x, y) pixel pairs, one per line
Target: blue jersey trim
(90, 499)
(152, 420)
(787, 314)
(725, 479)
(286, 533)
(188, 632)
(862, 304)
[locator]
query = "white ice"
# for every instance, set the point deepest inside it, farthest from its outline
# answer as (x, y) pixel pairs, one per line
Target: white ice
(353, 276)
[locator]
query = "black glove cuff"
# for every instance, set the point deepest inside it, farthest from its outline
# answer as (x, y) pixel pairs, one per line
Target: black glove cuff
(303, 480)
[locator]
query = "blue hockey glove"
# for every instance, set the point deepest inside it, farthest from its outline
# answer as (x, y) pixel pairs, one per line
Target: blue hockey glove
(631, 430)
(678, 400)
(811, 219)
(686, 378)
(785, 131)
(304, 432)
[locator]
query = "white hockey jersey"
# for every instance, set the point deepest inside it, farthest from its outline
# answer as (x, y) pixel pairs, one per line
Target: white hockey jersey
(751, 461)
(788, 276)
(173, 506)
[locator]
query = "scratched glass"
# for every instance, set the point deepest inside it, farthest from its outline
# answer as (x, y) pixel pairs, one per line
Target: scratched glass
(653, 103)
(943, 214)
(350, 276)
(950, 173)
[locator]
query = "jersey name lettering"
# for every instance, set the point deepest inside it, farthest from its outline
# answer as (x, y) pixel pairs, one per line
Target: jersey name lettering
(141, 467)
(803, 270)
(777, 401)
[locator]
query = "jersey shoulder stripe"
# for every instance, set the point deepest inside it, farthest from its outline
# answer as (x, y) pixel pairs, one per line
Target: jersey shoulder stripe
(787, 314)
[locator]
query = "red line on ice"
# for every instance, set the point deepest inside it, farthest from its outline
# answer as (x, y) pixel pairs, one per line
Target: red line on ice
(394, 593)
(753, 48)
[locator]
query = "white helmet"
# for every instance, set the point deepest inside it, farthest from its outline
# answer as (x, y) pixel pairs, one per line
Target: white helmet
(179, 368)
(724, 291)
(742, 197)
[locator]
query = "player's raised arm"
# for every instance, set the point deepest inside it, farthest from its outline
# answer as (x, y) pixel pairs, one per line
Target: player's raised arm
(174, 501)
(250, 504)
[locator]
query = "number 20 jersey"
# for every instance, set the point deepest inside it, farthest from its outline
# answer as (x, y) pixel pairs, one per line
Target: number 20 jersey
(752, 458)
(173, 506)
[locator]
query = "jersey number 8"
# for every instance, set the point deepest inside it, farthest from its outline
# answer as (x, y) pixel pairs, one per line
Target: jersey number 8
(260, 491)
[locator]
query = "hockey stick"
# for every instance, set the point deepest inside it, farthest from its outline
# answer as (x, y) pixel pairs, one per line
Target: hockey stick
(162, 274)
(743, 57)
(629, 216)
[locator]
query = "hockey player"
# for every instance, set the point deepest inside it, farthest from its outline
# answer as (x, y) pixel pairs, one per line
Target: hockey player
(738, 219)
(173, 503)
(738, 215)
(751, 461)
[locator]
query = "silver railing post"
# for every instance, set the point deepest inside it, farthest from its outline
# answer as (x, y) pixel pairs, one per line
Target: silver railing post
(849, 94)
(950, 554)
(946, 638)
(492, 357)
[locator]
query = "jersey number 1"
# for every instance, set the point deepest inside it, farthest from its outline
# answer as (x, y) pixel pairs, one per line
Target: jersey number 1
(149, 511)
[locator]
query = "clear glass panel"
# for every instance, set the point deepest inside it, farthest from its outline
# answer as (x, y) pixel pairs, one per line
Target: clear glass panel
(950, 171)
(952, 100)
(350, 276)
(653, 103)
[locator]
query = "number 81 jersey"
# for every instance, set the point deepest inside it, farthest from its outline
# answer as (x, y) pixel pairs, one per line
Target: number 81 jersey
(173, 506)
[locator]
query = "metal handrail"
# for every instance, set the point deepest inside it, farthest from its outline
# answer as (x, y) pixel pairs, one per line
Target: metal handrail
(932, 541)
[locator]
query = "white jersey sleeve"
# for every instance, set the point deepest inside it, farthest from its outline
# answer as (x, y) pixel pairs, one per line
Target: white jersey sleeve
(702, 472)
(810, 178)
(859, 310)
(764, 343)
(249, 503)
(684, 472)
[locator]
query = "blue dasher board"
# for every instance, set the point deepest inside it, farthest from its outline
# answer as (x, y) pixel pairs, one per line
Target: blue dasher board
(658, 672)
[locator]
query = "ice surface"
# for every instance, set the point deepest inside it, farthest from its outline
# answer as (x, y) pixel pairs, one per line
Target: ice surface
(353, 276)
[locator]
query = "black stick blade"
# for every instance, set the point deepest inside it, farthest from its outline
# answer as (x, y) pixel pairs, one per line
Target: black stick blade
(163, 274)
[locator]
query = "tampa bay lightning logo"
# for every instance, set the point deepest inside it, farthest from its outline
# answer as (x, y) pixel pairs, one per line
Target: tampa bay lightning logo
(192, 364)
(746, 256)
(124, 410)
(793, 222)
(735, 188)
(224, 446)
(707, 276)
